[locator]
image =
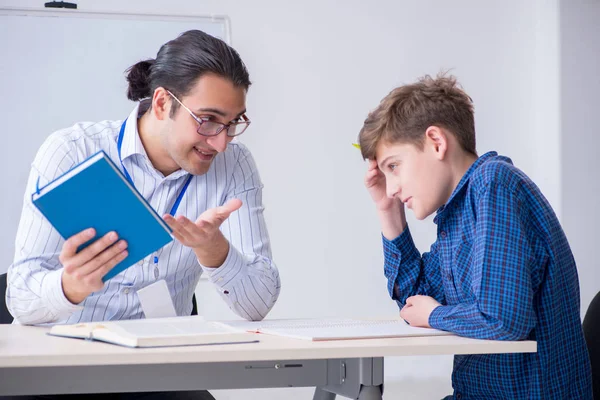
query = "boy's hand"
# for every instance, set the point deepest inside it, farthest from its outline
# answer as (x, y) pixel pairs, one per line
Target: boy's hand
(375, 183)
(83, 271)
(418, 309)
(390, 210)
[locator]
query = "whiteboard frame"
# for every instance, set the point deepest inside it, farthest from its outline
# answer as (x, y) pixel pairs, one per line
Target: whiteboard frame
(69, 13)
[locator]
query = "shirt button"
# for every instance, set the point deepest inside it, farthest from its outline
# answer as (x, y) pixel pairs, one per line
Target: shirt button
(126, 291)
(443, 234)
(458, 396)
(449, 275)
(155, 272)
(394, 256)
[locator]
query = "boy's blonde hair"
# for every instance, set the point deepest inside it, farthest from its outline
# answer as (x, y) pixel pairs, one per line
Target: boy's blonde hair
(407, 111)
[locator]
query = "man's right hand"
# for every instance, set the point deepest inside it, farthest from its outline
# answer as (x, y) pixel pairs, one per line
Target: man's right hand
(83, 271)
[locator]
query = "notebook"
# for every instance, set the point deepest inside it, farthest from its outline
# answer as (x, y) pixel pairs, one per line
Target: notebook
(158, 332)
(335, 328)
(96, 194)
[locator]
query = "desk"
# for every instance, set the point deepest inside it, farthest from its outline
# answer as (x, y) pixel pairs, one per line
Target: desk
(32, 362)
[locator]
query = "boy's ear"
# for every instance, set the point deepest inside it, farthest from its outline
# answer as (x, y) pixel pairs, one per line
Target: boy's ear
(436, 140)
(161, 103)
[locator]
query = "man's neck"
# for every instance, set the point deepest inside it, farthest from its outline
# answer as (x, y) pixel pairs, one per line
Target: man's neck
(152, 142)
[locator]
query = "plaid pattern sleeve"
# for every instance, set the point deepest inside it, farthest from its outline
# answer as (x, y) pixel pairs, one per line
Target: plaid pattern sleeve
(410, 273)
(500, 275)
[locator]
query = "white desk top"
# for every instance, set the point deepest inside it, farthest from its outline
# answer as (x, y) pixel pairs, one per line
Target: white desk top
(27, 346)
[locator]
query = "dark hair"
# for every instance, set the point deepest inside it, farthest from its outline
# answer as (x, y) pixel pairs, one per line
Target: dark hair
(181, 61)
(406, 112)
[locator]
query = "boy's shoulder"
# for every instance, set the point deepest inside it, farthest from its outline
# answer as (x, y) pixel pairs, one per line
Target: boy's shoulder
(497, 170)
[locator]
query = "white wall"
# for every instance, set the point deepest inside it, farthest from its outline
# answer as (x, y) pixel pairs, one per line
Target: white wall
(580, 138)
(318, 67)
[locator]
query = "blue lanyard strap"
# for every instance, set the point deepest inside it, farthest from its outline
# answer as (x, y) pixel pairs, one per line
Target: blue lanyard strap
(181, 193)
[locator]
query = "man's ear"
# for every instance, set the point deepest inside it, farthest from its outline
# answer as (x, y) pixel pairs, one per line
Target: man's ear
(436, 139)
(161, 103)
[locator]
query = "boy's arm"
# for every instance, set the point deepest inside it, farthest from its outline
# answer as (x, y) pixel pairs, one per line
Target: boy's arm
(408, 272)
(501, 279)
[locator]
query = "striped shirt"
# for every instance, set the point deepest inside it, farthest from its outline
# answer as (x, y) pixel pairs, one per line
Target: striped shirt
(502, 269)
(248, 280)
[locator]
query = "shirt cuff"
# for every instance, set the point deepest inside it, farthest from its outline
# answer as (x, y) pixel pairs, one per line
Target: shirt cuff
(438, 315)
(404, 244)
(224, 275)
(54, 297)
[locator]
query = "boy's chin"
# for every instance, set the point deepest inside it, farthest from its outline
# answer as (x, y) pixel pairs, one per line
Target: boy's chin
(420, 215)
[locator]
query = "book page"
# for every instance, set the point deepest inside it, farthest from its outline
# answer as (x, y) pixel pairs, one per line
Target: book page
(335, 328)
(168, 327)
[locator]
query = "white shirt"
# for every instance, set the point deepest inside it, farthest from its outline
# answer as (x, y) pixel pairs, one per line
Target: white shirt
(248, 280)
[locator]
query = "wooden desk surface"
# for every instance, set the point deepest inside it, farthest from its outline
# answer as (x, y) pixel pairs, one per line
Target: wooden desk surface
(28, 346)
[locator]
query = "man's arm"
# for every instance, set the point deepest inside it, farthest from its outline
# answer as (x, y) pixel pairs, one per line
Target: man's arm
(248, 280)
(232, 245)
(501, 279)
(34, 294)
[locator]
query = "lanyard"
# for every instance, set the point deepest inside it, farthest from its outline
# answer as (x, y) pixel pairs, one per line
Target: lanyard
(181, 193)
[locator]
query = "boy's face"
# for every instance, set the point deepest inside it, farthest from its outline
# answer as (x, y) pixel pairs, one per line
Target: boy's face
(212, 97)
(419, 178)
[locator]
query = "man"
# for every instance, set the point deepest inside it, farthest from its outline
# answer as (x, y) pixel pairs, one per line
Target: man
(176, 148)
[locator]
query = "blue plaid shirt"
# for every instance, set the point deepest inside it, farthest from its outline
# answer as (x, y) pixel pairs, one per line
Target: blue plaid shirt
(502, 269)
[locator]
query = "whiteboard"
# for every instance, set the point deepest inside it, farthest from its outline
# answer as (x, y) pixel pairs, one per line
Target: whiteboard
(60, 67)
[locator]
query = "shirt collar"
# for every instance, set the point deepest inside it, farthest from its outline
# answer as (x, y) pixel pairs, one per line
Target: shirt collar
(466, 177)
(132, 144)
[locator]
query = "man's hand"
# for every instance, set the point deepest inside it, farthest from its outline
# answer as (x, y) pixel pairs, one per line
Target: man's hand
(83, 271)
(204, 236)
(418, 309)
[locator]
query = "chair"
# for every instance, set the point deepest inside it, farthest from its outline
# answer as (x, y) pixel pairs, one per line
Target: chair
(5, 316)
(194, 305)
(591, 331)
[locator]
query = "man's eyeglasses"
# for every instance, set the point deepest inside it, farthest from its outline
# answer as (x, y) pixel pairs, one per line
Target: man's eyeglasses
(206, 127)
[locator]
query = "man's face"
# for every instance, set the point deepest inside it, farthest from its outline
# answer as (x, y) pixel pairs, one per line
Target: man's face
(417, 177)
(214, 98)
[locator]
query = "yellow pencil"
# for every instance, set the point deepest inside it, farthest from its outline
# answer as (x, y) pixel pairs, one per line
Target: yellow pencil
(356, 145)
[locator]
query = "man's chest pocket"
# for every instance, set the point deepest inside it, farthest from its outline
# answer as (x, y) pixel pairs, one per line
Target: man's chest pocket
(462, 272)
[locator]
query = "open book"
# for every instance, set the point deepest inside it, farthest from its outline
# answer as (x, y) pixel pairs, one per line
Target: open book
(334, 328)
(159, 332)
(96, 194)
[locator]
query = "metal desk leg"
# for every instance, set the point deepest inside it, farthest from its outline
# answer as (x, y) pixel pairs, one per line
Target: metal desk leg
(354, 378)
(370, 393)
(321, 394)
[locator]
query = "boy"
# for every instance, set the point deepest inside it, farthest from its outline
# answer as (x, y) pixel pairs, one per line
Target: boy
(501, 267)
